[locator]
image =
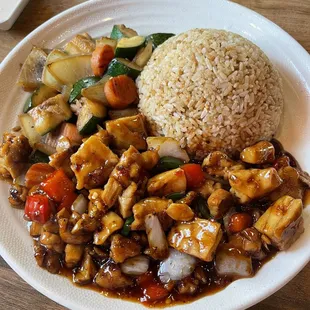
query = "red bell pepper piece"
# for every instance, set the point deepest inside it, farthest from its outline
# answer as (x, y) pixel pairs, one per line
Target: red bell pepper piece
(38, 209)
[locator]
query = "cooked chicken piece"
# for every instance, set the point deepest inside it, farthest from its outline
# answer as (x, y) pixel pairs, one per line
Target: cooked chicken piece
(86, 272)
(180, 212)
(106, 198)
(73, 254)
(127, 200)
(129, 169)
(39, 253)
(232, 262)
(18, 195)
(51, 227)
(35, 229)
(158, 245)
(208, 187)
(61, 160)
(99, 254)
(199, 238)
(291, 186)
(127, 131)
(262, 152)
(149, 159)
(282, 223)
(52, 241)
(253, 183)
(219, 203)
(110, 277)
(151, 205)
(219, 164)
(123, 248)
(84, 225)
(166, 146)
(111, 222)
(52, 262)
(172, 181)
(188, 199)
(14, 154)
(93, 163)
(248, 240)
(68, 237)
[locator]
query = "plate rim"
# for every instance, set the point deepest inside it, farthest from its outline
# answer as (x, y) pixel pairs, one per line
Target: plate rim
(15, 265)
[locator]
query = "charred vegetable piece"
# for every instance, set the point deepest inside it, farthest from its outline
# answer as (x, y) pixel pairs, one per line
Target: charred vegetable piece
(93, 163)
(37, 208)
(219, 203)
(48, 115)
(173, 181)
(199, 238)
(121, 31)
(111, 222)
(201, 207)
(282, 223)
(128, 131)
(106, 41)
(96, 92)
(115, 114)
(101, 57)
(119, 66)
(31, 72)
(176, 196)
(167, 147)
(80, 44)
(126, 228)
(143, 55)
(253, 183)
(120, 92)
(159, 38)
(79, 85)
(38, 157)
(260, 153)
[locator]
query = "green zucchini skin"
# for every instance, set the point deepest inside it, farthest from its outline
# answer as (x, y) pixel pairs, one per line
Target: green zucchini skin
(39, 157)
(79, 85)
(159, 38)
(119, 66)
(121, 31)
(129, 47)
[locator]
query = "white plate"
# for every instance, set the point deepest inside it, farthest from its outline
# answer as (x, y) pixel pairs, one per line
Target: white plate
(97, 17)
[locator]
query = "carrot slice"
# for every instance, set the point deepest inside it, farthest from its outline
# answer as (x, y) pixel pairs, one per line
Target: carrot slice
(101, 58)
(37, 173)
(120, 91)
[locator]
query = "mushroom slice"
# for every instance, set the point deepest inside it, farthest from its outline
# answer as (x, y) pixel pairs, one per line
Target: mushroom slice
(253, 183)
(282, 223)
(199, 238)
(68, 237)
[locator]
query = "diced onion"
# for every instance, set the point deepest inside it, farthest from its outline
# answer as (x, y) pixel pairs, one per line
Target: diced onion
(136, 266)
(80, 204)
(176, 267)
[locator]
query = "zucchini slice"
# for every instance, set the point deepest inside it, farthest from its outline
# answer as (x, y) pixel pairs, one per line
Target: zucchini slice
(70, 69)
(159, 38)
(119, 66)
(95, 92)
(144, 54)
(79, 85)
(91, 115)
(106, 41)
(121, 31)
(128, 47)
(48, 115)
(39, 96)
(47, 78)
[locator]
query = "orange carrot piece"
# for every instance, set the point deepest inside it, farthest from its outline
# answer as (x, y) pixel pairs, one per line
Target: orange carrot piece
(37, 173)
(71, 132)
(120, 91)
(101, 58)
